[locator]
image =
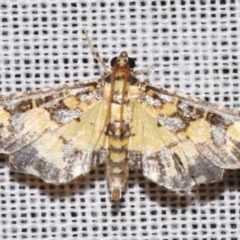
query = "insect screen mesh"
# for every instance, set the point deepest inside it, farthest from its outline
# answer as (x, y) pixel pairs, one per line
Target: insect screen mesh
(195, 48)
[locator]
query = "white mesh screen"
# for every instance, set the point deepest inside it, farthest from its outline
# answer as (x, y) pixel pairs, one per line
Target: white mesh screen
(195, 47)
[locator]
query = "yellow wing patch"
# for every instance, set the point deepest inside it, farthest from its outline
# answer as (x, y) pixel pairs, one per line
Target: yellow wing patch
(146, 135)
(88, 133)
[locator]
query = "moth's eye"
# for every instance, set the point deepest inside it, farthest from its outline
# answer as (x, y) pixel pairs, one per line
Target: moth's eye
(113, 61)
(132, 62)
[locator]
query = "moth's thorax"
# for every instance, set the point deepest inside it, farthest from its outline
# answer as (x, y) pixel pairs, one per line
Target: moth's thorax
(118, 129)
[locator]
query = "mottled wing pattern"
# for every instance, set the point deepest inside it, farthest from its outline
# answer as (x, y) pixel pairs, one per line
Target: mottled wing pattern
(179, 141)
(49, 132)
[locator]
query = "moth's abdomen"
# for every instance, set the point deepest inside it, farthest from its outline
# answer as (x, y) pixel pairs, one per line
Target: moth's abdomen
(117, 164)
(118, 128)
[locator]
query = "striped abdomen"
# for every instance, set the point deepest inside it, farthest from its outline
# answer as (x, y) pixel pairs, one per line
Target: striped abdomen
(118, 128)
(117, 164)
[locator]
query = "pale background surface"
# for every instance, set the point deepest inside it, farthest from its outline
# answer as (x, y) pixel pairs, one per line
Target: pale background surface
(196, 49)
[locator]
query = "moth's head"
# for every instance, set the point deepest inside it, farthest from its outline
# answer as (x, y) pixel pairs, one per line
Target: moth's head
(122, 60)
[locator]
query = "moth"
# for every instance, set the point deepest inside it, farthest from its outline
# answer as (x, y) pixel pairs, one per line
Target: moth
(176, 140)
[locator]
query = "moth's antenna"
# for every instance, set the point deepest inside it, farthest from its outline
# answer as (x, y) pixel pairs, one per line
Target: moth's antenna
(95, 53)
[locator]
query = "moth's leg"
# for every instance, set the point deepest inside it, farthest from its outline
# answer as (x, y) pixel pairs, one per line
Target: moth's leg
(147, 70)
(76, 183)
(95, 53)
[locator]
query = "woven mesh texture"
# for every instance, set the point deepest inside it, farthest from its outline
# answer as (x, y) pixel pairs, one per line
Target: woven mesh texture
(195, 48)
